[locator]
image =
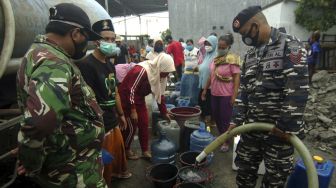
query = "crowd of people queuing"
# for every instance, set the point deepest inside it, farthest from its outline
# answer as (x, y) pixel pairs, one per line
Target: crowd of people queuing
(74, 110)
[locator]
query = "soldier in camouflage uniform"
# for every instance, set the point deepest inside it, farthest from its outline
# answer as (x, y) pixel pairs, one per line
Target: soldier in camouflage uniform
(274, 89)
(61, 135)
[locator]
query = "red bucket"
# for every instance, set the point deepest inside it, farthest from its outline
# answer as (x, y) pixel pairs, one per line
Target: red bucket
(181, 114)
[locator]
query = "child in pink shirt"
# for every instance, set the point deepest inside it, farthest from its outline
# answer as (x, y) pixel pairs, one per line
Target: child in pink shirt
(224, 81)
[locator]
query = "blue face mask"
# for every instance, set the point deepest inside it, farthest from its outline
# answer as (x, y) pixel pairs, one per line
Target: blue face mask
(148, 49)
(109, 49)
(190, 47)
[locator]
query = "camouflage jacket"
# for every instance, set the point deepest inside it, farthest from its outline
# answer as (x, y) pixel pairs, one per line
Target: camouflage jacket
(61, 135)
(274, 84)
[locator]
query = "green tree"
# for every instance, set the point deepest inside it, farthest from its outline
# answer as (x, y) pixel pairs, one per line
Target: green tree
(165, 33)
(316, 14)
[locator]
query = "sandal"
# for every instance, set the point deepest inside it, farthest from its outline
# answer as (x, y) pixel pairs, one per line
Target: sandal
(124, 175)
(224, 148)
(146, 155)
(131, 155)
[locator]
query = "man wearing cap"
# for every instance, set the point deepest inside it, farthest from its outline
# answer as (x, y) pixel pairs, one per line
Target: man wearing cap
(274, 84)
(123, 56)
(99, 73)
(62, 131)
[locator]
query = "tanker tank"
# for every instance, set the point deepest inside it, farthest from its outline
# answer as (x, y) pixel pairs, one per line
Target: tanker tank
(22, 20)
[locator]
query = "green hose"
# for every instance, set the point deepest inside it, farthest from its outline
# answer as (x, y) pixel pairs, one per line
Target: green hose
(294, 140)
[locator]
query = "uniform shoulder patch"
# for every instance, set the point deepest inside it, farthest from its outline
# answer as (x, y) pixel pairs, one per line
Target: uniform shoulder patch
(295, 50)
(295, 55)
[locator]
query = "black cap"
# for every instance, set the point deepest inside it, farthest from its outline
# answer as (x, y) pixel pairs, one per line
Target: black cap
(168, 37)
(103, 25)
(71, 14)
(244, 16)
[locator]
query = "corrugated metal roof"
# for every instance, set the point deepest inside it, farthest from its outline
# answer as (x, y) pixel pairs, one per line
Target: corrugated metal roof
(134, 7)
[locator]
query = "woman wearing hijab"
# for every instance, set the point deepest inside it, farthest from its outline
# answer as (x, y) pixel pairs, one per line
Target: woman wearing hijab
(210, 45)
(201, 52)
(145, 78)
(157, 49)
(224, 82)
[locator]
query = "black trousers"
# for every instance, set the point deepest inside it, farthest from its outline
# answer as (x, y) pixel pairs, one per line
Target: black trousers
(277, 154)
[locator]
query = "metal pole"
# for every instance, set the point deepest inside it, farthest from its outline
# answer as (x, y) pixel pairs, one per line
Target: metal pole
(125, 25)
(106, 6)
(140, 23)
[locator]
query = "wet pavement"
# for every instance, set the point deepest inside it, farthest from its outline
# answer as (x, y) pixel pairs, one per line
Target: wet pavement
(221, 167)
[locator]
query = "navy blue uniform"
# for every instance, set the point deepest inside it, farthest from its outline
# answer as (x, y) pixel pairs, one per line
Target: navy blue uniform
(274, 89)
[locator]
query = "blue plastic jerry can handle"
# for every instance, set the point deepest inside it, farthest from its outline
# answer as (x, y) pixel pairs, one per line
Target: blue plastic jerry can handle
(202, 127)
(107, 157)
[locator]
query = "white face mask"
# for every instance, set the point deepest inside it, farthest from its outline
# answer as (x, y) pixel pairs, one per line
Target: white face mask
(208, 48)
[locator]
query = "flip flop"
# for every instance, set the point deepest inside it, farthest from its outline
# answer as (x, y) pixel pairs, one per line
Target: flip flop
(146, 155)
(224, 148)
(124, 175)
(131, 155)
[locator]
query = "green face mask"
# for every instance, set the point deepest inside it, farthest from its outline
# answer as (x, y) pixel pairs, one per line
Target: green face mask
(109, 49)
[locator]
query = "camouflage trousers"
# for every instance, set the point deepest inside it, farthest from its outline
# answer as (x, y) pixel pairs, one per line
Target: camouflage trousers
(252, 149)
(84, 174)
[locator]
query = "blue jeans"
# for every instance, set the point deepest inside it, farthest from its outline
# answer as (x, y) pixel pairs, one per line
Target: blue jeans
(189, 88)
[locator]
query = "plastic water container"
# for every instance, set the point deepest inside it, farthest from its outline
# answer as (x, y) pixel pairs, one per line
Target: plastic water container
(183, 101)
(178, 86)
(201, 138)
(156, 117)
(261, 169)
(324, 169)
(107, 157)
(170, 106)
(189, 127)
(173, 96)
(172, 129)
(163, 150)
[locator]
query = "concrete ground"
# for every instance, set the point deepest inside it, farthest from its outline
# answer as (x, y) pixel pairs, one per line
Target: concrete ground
(221, 166)
(224, 176)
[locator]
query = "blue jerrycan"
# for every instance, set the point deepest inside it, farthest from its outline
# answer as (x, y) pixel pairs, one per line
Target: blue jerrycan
(298, 178)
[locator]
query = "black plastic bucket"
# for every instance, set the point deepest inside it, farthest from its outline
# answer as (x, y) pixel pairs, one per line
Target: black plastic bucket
(188, 158)
(188, 185)
(162, 175)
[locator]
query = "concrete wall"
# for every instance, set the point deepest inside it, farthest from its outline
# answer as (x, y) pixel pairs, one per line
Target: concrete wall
(196, 18)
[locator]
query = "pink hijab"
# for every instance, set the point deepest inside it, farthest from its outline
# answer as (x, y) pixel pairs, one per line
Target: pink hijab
(201, 52)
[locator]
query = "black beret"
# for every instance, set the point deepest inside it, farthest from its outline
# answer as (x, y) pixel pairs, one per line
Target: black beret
(244, 16)
(103, 25)
(71, 14)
